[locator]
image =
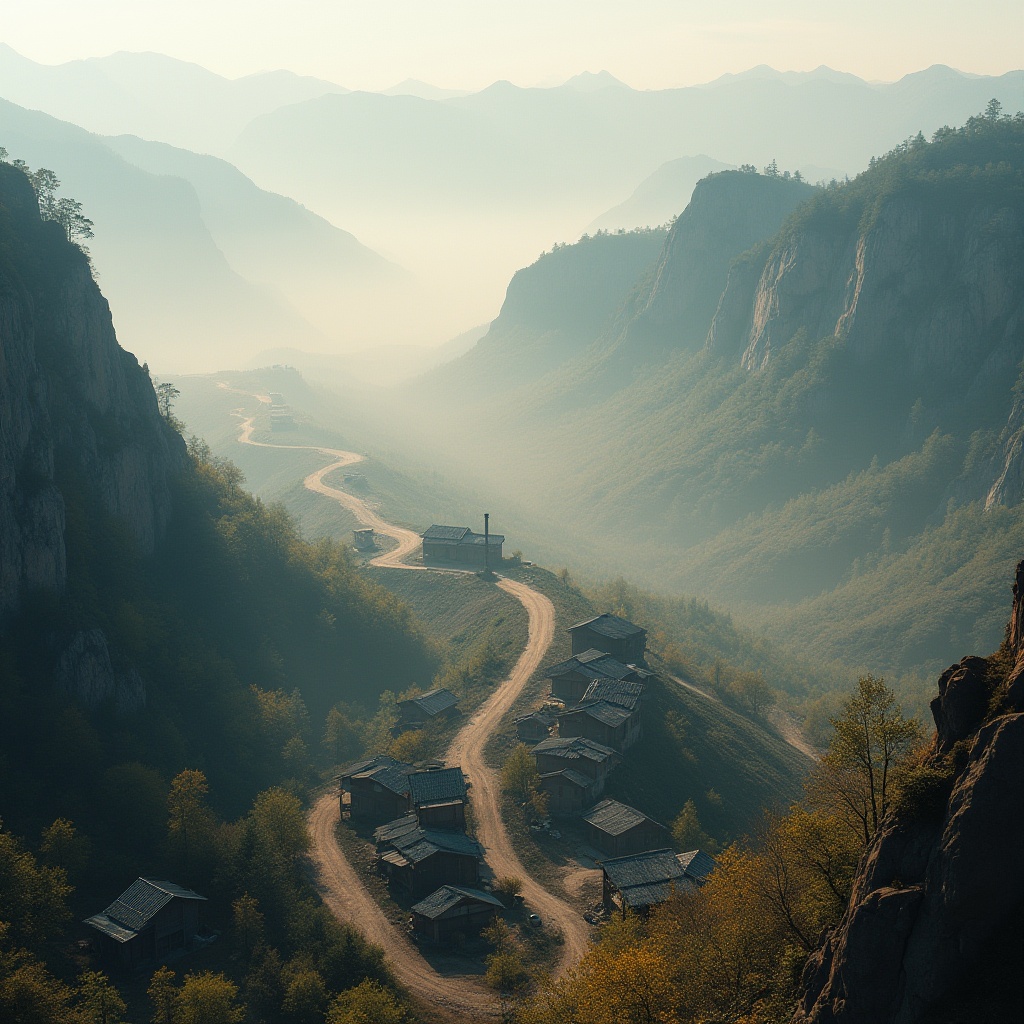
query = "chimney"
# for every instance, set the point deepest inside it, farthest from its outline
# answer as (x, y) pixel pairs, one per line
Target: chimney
(487, 540)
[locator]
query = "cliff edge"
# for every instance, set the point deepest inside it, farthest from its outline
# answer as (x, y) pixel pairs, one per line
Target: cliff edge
(76, 410)
(934, 930)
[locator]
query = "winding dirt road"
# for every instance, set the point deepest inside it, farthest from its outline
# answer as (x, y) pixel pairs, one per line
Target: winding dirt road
(339, 882)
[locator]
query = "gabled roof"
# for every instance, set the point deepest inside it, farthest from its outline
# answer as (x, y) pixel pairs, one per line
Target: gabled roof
(448, 896)
(574, 748)
(611, 626)
(433, 702)
(593, 664)
(602, 711)
(453, 533)
(416, 844)
(440, 785)
(367, 764)
(544, 717)
(614, 818)
(394, 829)
(697, 864)
(569, 775)
(626, 693)
(392, 777)
(644, 879)
(137, 906)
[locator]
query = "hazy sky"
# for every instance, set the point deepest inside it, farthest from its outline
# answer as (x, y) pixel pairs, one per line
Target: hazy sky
(371, 44)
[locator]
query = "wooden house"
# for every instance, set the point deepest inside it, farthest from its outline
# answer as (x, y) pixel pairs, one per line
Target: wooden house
(454, 911)
(642, 880)
(150, 920)
(534, 727)
(377, 789)
(609, 713)
(618, 830)
(438, 797)
(433, 706)
(569, 791)
(571, 679)
(419, 860)
(617, 636)
(459, 545)
(594, 760)
(364, 540)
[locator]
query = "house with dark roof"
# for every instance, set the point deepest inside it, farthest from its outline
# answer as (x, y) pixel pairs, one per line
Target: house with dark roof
(610, 713)
(535, 726)
(419, 860)
(570, 679)
(454, 910)
(148, 921)
(569, 791)
(618, 830)
(438, 797)
(643, 880)
(460, 545)
(591, 760)
(617, 636)
(377, 789)
(433, 706)
(364, 539)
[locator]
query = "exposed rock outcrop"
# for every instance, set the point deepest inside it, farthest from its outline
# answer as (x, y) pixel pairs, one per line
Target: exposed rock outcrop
(86, 674)
(75, 408)
(935, 913)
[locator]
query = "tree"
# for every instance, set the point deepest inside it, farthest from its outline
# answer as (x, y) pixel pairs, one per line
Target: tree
(871, 742)
(993, 110)
(98, 1001)
(208, 998)
(77, 227)
(305, 997)
(519, 775)
(772, 170)
(688, 833)
(189, 817)
(249, 924)
(163, 995)
(367, 1003)
(166, 393)
(63, 847)
(45, 184)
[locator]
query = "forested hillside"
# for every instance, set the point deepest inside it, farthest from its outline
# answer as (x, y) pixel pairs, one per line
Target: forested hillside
(828, 425)
(169, 650)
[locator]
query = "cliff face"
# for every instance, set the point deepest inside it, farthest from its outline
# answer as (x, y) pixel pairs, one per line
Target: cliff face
(933, 931)
(74, 406)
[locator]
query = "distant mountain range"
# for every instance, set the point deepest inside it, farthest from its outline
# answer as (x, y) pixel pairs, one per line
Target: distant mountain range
(463, 189)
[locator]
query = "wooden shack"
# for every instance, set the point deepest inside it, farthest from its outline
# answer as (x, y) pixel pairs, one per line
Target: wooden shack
(377, 789)
(594, 760)
(569, 791)
(643, 880)
(570, 679)
(459, 545)
(454, 911)
(534, 727)
(419, 860)
(438, 797)
(433, 706)
(611, 633)
(609, 713)
(364, 540)
(150, 920)
(617, 830)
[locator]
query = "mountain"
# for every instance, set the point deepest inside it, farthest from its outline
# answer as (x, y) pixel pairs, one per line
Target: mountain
(661, 196)
(466, 190)
(152, 96)
(933, 929)
(425, 91)
(203, 267)
(806, 428)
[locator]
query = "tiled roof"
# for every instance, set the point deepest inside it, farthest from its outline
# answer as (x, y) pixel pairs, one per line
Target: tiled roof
(398, 827)
(611, 626)
(433, 702)
(443, 784)
(574, 748)
(651, 868)
(416, 844)
(603, 711)
(697, 864)
(394, 778)
(614, 818)
(624, 692)
(448, 896)
(137, 906)
(453, 533)
(593, 664)
(369, 763)
(570, 775)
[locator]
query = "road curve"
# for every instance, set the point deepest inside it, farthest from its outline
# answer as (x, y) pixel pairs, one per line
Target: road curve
(340, 885)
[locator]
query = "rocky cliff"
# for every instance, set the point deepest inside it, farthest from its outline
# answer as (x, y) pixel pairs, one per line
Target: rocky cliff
(934, 930)
(76, 410)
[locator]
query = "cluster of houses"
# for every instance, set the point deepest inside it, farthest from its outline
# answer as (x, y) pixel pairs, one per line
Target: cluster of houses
(422, 849)
(593, 718)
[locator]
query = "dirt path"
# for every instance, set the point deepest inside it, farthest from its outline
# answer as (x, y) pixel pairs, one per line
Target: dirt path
(340, 885)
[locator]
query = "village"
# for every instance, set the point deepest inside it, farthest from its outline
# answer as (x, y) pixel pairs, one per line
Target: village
(424, 851)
